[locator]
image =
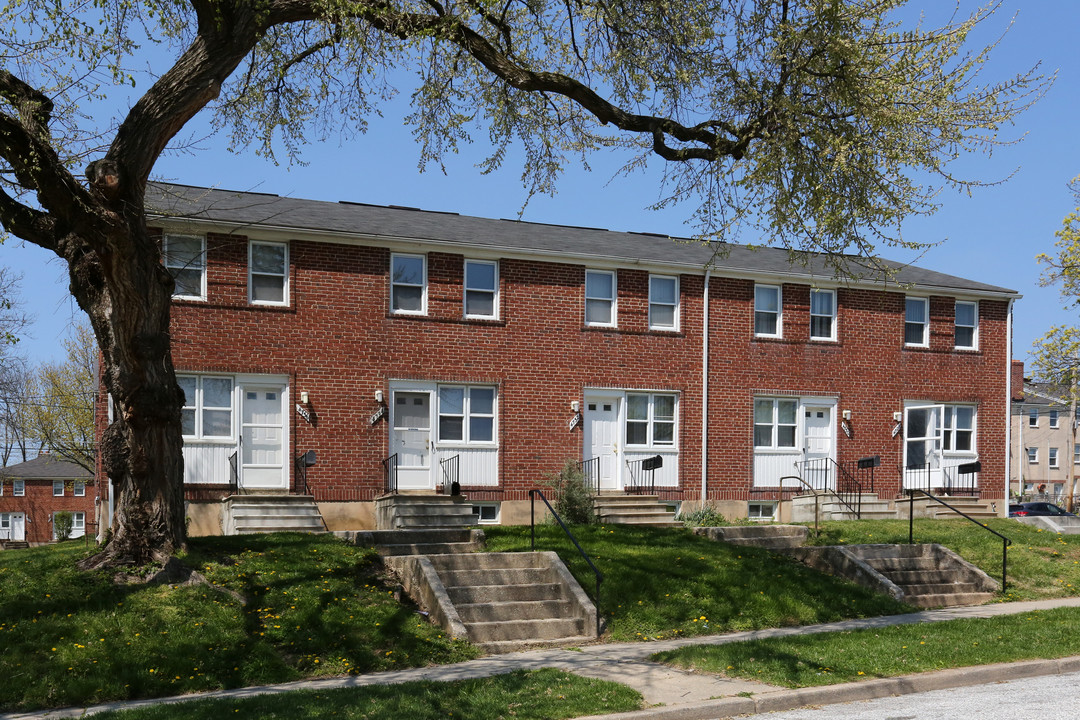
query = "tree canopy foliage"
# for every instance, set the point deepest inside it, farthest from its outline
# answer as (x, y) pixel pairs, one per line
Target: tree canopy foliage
(816, 124)
(1057, 353)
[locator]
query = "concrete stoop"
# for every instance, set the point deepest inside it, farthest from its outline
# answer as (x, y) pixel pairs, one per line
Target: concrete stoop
(827, 507)
(927, 508)
(246, 514)
(500, 601)
(436, 541)
(770, 537)
(399, 511)
(1061, 524)
(926, 576)
(634, 510)
(14, 545)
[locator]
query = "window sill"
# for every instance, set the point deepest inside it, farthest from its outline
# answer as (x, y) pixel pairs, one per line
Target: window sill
(475, 322)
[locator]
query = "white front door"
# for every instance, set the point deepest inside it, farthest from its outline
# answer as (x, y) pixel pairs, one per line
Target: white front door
(13, 526)
(262, 437)
(410, 438)
(818, 442)
(602, 437)
(922, 446)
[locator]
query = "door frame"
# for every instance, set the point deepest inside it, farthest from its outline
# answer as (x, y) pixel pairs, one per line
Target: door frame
(432, 389)
(240, 384)
(601, 395)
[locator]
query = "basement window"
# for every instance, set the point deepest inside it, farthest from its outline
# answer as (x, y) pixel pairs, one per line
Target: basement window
(761, 511)
(486, 513)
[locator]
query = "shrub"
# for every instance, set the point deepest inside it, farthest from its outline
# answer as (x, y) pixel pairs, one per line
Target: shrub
(63, 521)
(704, 516)
(573, 501)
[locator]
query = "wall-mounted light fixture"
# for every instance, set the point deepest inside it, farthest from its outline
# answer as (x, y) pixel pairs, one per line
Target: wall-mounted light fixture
(845, 422)
(303, 397)
(897, 416)
(378, 396)
(846, 414)
(575, 406)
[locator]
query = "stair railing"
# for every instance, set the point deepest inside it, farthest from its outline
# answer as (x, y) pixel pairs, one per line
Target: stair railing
(303, 461)
(390, 466)
(956, 479)
(590, 470)
(533, 494)
(846, 489)
(450, 474)
(643, 475)
(1005, 542)
(234, 476)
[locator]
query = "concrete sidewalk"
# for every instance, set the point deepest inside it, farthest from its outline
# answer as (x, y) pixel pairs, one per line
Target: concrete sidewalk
(677, 694)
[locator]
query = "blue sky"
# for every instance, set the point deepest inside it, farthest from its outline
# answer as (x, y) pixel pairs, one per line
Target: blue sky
(992, 236)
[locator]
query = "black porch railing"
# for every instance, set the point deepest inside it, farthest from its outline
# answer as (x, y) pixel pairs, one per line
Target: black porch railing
(533, 494)
(234, 476)
(956, 479)
(1005, 542)
(450, 475)
(303, 462)
(590, 473)
(390, 466)
(847, 481)
(642, 480)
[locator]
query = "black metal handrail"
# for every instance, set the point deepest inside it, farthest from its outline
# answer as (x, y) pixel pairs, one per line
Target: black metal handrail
(826, 476)
(532, 522)
(642, 475)
(303, 461)
(449, 468)
(956, 479)
(1006, 542)
(590, 471)
(390, 466)
(234, 476)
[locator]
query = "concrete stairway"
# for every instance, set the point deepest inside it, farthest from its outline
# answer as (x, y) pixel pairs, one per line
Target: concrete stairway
(398, 511)
(14, 545)
(437, 541)
(770, 537)
(634, 510)
(507, 601)
(927, 508)
(246, 514)
(829, 507)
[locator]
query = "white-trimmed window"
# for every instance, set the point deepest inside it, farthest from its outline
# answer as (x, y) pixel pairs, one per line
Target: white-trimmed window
(408, 284)
(208, 403)
(822, 314)
(486, 513)
(650, 419)
(268, 273)
(18, 488)
(1052, 457)
(466, 414)
(958, 429)
(761, 511)
(185, 259)
(1033, 417)
(600, 298)
(916, 321)
(78, 524)
(58, 488)
(481, 289)
(78, 488)
(663, 302)
(967, 325)
(1053, 416)
(768, 315)
(1033, 455)
(776, 422)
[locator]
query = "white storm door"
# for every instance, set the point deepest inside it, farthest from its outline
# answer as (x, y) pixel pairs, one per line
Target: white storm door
(262, 437)
(410, 438)
(13, 526)
(922, 446)
(602, 437)
(818, 444)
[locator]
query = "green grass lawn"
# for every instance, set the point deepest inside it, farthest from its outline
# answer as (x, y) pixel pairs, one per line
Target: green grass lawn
(539, 695)
(1041, 564)
(314, 606)
(828, 658)
(662, 583)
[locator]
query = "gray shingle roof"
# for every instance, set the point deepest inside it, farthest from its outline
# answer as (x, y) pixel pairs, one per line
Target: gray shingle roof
(239, 210)
(47, 467)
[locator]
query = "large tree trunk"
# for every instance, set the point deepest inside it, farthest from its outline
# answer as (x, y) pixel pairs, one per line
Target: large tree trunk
(128, 299)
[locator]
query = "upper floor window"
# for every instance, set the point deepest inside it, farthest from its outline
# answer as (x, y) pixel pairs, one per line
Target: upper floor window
(466, 414)
(58, 488)
(481, 289)
(767, 311)
(822, 314)
(663, 302)
(408, 284)
(775, 422)
(650, 419)
(207, 411)
(1033, 417)
(1033, 455)
(268, 273)
(79, 488)
(600, 298)
(1052, 457)
(1053, 418)
(916, 321)
(18, 488)
(185, 259)
(967, 324)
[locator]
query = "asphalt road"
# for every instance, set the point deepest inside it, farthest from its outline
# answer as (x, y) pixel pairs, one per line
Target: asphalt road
(1052, 697)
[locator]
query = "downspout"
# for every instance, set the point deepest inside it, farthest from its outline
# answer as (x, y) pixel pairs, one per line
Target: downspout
(705, 390)
(1008, 403)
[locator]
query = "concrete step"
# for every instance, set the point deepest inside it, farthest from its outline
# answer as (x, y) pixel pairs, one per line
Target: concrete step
(918, 577)
(888, 564)
(531, 630)
(404, 537)
(472, 594)
(770, 537)
(429, 548)
(944, 588)
(499, 647)
(949, 599)
(14, 545)
(513, 611)
(495, 576)
(488, 561)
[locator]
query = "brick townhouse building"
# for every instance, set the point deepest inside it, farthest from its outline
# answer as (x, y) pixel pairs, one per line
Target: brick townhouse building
(32, 492)
(492, 351)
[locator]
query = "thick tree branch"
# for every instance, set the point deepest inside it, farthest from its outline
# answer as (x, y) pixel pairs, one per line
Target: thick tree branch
(23, 222)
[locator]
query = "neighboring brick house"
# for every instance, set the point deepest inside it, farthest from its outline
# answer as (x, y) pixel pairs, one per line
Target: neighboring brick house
(361, 332)
(31, 493)
(1044, 452)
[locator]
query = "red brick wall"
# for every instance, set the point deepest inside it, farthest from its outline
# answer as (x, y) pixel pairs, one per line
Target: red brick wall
(337, 341)
(38, 504)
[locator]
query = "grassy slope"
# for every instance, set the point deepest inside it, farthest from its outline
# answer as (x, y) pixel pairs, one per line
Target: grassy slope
(662, 583)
